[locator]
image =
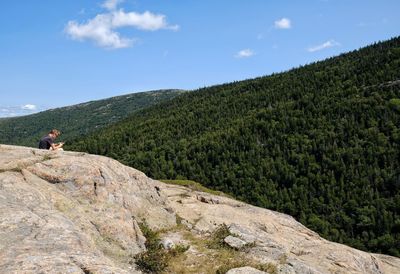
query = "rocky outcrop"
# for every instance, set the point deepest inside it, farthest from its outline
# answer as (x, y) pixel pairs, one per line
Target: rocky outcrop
(67, 212)
(273, 237)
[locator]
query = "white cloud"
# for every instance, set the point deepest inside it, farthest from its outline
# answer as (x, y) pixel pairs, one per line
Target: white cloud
(283, 23)
(328, 44)
(244, 53)
(29, 107)
(12, 111)
(99, 30)
(145, 21)
(102, 28)
(111, 4)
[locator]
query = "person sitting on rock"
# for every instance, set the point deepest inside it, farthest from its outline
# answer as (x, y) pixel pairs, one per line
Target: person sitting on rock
(47, 142)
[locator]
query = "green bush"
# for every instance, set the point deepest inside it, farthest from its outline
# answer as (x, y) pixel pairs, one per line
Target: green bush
(216, 240)
(155, 259)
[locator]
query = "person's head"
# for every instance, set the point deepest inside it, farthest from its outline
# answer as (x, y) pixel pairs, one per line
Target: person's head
(54, 133)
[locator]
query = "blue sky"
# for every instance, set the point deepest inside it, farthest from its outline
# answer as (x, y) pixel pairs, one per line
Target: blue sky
(57, 53)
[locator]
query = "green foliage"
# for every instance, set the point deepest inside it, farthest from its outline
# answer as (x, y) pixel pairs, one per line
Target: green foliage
(320, 142)
(152, 261)
(79, 119)
(193, 186)
(216, 240)
(178, 250)
(155, 259)
(395, 103)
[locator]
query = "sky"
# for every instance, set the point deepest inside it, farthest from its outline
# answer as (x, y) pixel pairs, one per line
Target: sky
(64, 52)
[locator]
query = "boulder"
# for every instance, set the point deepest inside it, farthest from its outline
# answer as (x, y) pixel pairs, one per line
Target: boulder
(234, 242)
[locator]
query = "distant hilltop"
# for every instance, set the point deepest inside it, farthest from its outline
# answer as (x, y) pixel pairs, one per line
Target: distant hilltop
(80, 119)
(72, 212)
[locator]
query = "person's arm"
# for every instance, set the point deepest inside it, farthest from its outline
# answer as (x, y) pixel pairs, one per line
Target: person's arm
(56, 146)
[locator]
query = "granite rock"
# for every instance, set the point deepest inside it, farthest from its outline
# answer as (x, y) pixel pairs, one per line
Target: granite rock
(70, 212)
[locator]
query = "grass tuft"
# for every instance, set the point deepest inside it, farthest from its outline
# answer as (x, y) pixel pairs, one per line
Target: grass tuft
(216, 240)
(194, 186)
(156, 259)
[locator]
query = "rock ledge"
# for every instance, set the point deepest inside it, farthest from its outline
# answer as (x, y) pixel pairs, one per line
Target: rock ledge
(68, 212)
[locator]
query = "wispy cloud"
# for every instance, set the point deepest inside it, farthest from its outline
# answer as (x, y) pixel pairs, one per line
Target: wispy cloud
(12, 111)
(283, 23)
(29, 107)
(328, 44)
(382, 21)
(102, 28)
(111, 4)
(244, 53)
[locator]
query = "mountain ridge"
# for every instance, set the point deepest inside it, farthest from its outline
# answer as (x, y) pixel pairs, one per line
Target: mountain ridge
(79, 119)
(312, 142)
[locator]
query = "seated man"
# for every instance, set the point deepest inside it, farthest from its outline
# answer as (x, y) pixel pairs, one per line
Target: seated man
(47, 142)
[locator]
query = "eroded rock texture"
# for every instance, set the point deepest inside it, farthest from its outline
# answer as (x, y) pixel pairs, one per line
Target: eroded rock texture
(65, 212)
(272, 237)
(73, 212)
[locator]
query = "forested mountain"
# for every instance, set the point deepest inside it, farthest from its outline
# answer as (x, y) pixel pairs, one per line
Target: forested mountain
(319, 142)
(78, 119)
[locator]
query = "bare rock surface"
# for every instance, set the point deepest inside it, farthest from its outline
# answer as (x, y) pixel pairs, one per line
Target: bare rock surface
(64, 212)
(273, 237)
(68, 212)
(234, 242)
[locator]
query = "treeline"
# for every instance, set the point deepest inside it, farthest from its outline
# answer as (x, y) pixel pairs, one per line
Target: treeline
(79, 119)
(320, 142)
